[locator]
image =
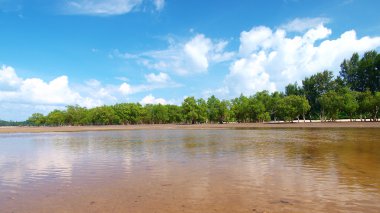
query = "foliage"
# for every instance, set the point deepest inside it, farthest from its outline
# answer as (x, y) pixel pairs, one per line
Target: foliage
(315, 86)
(13, 123)
(362, 74)
(331, 103)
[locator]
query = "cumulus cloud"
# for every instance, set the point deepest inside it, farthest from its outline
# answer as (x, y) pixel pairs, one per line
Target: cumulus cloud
(36, 91)
(36, 95)
(248, 75)
(153, 82)
(8, 78)
(150, 99)
(303, 24)
(159, 78)
(192, 56)
(269, 59)
(125, 89)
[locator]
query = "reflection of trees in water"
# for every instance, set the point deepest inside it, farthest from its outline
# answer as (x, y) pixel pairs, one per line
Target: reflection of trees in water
(352, 154)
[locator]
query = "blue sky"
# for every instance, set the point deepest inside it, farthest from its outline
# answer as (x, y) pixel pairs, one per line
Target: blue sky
(95, 52)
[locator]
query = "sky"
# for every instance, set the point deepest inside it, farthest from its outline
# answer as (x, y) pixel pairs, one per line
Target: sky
(96, 52)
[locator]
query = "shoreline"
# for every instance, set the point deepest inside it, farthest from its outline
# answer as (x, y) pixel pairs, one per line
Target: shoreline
(301, 124)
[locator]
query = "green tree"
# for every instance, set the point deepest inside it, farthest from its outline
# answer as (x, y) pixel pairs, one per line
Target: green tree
(256, 110)
(160, 114)
(287, 108)
(129, 113)
(369, 105)
(348, 70)
(331, 103)
(189, 107)
(362, 74)
(239, 108)
(273, 105)
(293, 89)
(56, 118)
(376, 106)
(104, 115)
(175, 114)
(315, 86)
(224, 111)
(293, 106)
(37, 119)
(213, 107)
(201, 110)
(350, 102)
(76, 115)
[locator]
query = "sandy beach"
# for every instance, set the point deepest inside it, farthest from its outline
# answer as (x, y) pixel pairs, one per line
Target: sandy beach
(301, 124)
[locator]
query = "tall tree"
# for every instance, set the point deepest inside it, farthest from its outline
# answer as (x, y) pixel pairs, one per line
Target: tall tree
(293, 89)
(273, 105)
(293, 106)
(104, 115)
(224, 111)
(350, 102)
(174, 114)
(213, 107)
(362, 74)
(189, 107)
(331, 103)
(256, 110)
(56, 118)
(37, 119)
(240, 108)
(76, 115)
(315, 86)
(160, 114)
(201, 110)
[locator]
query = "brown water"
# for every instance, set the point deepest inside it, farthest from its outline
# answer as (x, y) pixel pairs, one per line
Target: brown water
(262, 170)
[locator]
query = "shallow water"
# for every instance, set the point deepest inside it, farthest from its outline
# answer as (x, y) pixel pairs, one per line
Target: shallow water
(256, 170)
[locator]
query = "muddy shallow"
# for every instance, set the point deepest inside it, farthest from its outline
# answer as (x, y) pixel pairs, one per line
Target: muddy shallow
(217, 170)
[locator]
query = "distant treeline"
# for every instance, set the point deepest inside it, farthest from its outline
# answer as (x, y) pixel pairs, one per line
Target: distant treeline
(13, 123)
(352, 94)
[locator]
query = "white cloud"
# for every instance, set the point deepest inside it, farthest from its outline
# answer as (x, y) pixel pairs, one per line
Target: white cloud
(107, 7)
(150, 99)
(159, 81)
(36, 95)
(196, 50)
(30, 95)
(101, 7)
(248, 75)
(125, 89)
(159, 4)
(161, 78)
(193, 56)
(303, 24)
(36, 91)
(8, 78)
(270, 59)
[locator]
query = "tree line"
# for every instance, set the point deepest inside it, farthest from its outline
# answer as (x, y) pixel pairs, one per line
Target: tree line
(354, 94)
(13, 123)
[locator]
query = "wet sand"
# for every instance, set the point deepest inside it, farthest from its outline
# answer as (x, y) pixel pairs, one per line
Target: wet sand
(301, 124)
